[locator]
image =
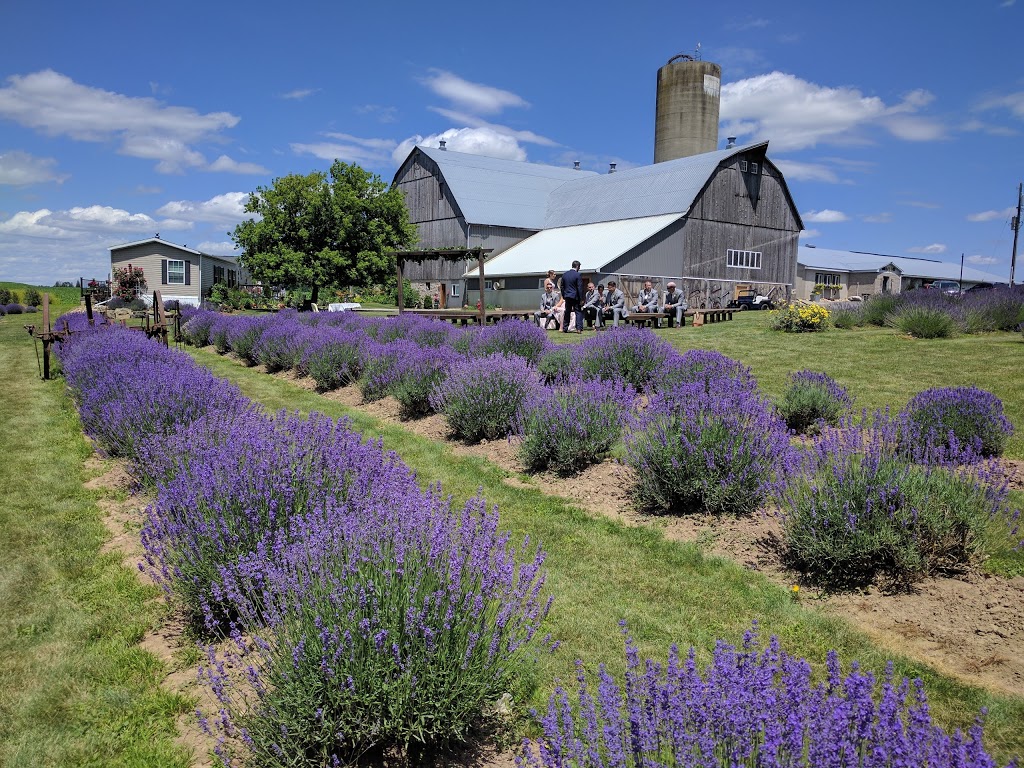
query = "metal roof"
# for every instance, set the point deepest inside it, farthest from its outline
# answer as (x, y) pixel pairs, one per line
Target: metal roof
(858, 261)
(595, 245)
(154, 240)
(508, 193)
(650, 190)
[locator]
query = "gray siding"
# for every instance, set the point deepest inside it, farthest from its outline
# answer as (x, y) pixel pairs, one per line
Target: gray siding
(149, 256)
(496, 238)
(431, 207)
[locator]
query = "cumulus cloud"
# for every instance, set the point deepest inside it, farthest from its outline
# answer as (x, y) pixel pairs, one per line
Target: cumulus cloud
(473, 141)
(227, 165)
(795, 113)
(21, 168)
(794, 169)
(825, 216)
(977, 258)
(807, 234)
(70, 223)
(934, 248)
(56, 105)
(476, 97)
(1005, 213)
(217, 248)
(227, 209)
(527, 137)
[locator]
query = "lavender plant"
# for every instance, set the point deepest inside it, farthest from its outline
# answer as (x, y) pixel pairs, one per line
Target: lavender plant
(195, 329)
(557, 366)
(754, 706)
(419, 375)
(856, 510)
(956, 424)
(243, 336)
(698, 451)
(574, 425)
(334, 358)
(383, 365)
(387, 627)
(706, 367)
(483, 397)
(511, 337)
(812, 400)
(633, 355)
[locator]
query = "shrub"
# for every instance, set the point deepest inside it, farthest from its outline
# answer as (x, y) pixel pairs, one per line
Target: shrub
(14, 309)
(954, 424)
(711, 369)
(196, 328)
(219, 333)
(335, 359)
(137, 305)
(6, 297)
(847, 318)
(922, 322)
(800, 317)
(418, 376)
(30, 310)
(556, 365)
(3, 310)
(574, 425)
(281, 344)
(699, 451)
(752, 706)
(876, 308)
(633, 355)
(813, 399)
(33, 297)
(383, 364)
(511, 337)
(243, 337)
(388, 629)
(483, 397)
(857, 511)
(115, 302)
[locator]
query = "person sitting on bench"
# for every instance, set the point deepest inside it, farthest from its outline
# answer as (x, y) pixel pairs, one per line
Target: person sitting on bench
(548, 301)
(647, 300)
(592, 304)
(674, 303)
(614, 305)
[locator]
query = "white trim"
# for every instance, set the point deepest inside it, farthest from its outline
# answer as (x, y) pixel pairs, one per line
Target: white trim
(736, 258)
(184, 269)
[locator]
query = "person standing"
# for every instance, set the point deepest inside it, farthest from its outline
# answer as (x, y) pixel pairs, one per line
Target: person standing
(572, 292)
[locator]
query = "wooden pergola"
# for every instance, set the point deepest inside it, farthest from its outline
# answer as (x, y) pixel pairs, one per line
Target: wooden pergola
(448, 254)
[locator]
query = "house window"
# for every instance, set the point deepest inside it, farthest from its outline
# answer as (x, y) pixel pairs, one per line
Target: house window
(488, 285)
(743, 166)
(175, 272)
(232, 278)
(743, 259)
(455, 290)
(826, 278)
(218, 275)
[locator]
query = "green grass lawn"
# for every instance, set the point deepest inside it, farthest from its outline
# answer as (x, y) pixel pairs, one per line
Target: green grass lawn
(75, 689)
(601, 572)
(67, 297)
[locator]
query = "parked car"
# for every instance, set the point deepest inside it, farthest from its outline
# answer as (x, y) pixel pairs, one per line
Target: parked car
(751, 300)
(985, 287)
(948, 287)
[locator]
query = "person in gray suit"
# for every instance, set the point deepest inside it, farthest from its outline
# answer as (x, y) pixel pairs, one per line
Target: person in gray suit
(548, 301)
(675, 303)
(592, 304)
(614, 304)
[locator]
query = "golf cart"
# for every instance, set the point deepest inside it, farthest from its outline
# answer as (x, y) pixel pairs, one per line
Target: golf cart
(751, 300)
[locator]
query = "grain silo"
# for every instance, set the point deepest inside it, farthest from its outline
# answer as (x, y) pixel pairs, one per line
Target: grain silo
(686, 118)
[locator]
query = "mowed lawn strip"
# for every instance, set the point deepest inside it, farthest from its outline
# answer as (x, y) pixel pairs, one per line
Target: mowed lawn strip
(601, 572)
(74, 687)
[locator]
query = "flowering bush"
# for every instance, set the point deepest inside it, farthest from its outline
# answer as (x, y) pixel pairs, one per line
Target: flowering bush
(129, 282)
(334, 359)
(957, 424)
(753, 706)
(633, 355)
(196, 325)
(14, 309)
(574, 425)
(707, 367)
(922, 322)
(243, 336)
(483, 397)
(511, 337)
(387, 626)
(698, 451)
(800, 317)
(383, 364)
(556, 365)
(813, 399)
(856, 510)
(418, 376)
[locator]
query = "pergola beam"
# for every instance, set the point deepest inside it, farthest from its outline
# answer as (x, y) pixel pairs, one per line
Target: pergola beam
(448, 254)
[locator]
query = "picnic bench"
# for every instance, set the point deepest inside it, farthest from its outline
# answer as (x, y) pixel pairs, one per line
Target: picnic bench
(467, 316)
(652, 318)
(711, 315)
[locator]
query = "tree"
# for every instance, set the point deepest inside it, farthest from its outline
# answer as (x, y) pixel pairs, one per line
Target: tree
(324, 229)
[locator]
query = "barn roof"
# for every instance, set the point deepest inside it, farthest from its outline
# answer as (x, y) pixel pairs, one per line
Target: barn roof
(490, 190)
(595, 245)
(860, 261)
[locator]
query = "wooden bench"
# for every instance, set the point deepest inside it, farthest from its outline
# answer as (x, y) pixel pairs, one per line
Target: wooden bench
(652, 318)
(711, 315)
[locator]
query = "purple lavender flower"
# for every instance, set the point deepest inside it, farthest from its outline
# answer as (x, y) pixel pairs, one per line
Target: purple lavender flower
(813, 400)
(954, 425)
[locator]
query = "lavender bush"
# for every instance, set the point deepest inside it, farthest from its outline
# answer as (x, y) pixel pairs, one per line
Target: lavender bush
(483, 397)
(698, 451)
(958, 424)
(754, 706)
(196, 325)
(383, 364)
(812, 400)
(574, 425)
(511, 337)
(243, 335)
(388, 626)
(556, 366)
(633, 355)
(418, 376)
(856, 510)
(922, 322)
(707, 367)
(334, 358)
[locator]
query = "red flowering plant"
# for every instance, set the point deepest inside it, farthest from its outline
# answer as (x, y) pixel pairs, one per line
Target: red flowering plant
(129, 282)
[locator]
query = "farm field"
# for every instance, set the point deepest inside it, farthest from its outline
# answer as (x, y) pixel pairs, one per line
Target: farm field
(603, 569)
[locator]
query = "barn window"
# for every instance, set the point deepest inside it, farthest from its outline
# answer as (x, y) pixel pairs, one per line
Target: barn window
(175, 272)
(743, 259)
(455, 290)
(743, 166)
(826, 278)
(753, 168)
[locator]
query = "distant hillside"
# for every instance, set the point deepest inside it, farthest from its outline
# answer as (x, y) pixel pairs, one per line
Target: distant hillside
(65, 297)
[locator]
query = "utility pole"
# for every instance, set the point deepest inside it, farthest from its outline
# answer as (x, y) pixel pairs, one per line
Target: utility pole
(1015, 224)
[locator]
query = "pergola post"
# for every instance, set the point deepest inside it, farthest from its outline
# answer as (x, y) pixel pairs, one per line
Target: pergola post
(483, 305)
(400, 262)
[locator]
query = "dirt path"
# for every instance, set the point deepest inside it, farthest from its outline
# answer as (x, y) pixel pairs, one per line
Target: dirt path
(970, 628)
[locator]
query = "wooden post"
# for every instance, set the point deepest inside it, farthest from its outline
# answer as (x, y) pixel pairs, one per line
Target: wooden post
(483, 303)
(46, 337)
(88, 307)
(401, 291)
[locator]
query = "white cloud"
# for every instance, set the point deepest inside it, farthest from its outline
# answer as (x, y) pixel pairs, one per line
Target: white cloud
(474, 141)
(227, 209)
(109, 218)
(299, 93)
(20, 168)
(58, 106)
(1006, 213)
(979, 259)
(934, 248)
(351, 149)
(878, 218)
(808, 234)
(528, 137)
(225, 163)
(476, 97)
(74, 222)
(825, 216)
(222, 248)
(1012, 102)
(795, 113)
(31, 224)
(382, 113)
(144, 189)
(921, 204)
(794, 169)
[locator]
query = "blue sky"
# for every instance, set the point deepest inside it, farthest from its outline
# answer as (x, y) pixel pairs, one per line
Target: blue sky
(899, 125)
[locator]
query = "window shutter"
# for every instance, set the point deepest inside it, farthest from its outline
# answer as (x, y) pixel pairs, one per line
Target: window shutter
(188, 272)
(163, 271)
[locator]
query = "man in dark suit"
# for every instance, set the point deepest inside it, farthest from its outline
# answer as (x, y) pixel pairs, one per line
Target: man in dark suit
(572, 292)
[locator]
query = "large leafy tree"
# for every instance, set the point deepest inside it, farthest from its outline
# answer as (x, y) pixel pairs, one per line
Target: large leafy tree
(324, 229)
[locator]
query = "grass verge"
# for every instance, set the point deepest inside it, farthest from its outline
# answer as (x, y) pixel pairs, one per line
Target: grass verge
(601, 571)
